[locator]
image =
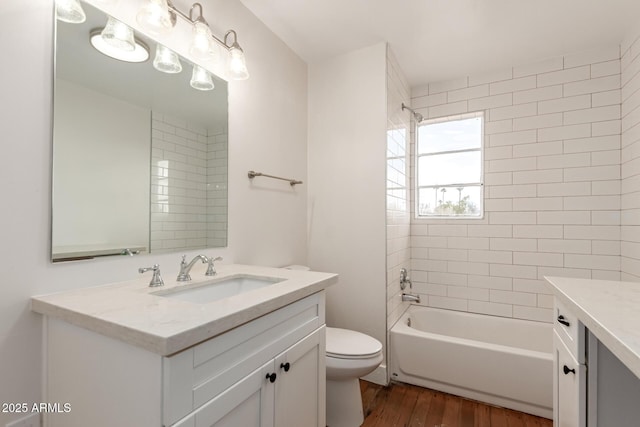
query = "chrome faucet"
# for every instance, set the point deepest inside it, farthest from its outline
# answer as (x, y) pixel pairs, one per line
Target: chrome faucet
(411, 297)
(156, 279)
(185, 268)
(211, 269)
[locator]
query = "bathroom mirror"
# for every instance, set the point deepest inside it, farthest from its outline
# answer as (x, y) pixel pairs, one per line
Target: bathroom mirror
(139, 156)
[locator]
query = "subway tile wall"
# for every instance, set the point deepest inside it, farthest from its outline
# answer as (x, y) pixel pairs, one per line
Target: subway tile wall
(398, 219)
(188, 186)
(552, 187)
(630, 202)
(217, 172)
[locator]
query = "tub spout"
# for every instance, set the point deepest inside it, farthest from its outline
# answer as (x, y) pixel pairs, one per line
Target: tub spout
(411, 297)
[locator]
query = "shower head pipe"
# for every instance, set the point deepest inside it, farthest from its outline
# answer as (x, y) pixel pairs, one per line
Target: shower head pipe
(416, 116)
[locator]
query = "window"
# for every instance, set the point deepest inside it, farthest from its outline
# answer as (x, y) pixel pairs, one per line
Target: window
(449, 167)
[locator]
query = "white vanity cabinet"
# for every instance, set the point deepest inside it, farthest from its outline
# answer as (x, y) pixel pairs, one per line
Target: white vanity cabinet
(267, 372)
(592, 385)
(286, 391)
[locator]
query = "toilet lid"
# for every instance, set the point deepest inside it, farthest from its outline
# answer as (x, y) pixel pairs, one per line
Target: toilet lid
(347, 344)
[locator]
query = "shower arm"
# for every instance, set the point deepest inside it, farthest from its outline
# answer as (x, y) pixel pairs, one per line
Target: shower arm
(416, 116)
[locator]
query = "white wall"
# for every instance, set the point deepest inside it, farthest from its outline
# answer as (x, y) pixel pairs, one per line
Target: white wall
(552, 187)
(267, 131)
(92, 211)
(398, 187)
(347, 157)
(630, 80)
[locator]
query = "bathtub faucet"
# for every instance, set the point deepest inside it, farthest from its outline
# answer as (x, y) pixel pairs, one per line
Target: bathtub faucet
(411, 297)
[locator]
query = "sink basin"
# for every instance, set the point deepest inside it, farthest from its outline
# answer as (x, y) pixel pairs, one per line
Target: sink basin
(219, 289)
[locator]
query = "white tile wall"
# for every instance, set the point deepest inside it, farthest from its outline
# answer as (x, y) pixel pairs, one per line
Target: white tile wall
(630, 159)
(217, 192)
(188, 186)
(552, 184)
(398, 216)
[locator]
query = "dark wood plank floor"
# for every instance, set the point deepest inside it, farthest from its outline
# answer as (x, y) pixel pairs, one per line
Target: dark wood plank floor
(404, 405)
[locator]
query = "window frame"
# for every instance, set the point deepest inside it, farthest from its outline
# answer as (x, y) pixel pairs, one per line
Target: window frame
(417, 156)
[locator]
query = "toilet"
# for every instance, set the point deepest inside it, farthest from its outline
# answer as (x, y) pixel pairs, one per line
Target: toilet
(349, 356)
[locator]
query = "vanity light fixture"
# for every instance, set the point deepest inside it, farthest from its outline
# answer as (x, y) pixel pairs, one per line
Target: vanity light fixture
(201, 48)
(237, 64)
(204, 44)
(70, 11)
(140, 53)
(119, 35)
(156, 18)
(166, 60)
(201, 79)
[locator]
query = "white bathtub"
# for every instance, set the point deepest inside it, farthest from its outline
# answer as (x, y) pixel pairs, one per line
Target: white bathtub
(505, 362)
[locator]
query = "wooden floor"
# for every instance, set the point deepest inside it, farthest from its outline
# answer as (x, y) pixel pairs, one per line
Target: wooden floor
(404, 405)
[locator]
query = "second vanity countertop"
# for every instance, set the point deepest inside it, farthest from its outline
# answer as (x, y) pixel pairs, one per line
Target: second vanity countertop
(130, 312)
(609, 309)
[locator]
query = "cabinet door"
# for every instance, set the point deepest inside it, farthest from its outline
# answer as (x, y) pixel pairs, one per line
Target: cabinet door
(569, 387)
(248, 403)
(300, 388)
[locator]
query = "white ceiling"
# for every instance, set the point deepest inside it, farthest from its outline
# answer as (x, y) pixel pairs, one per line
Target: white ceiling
(437, 40)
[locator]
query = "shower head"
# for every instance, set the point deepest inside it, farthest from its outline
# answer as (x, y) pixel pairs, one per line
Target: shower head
(416, 116)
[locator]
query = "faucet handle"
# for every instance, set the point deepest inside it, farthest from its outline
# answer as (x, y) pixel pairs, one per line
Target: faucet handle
(211, 269)
(184, 259)
(404, 279)
(156, 280)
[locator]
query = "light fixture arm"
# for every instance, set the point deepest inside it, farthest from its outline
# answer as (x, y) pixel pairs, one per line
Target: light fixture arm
(200, 18)
(235, 40)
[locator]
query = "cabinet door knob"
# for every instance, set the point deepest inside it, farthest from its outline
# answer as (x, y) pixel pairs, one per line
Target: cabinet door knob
(563, 321)
(565, 369)
(285, 366)
(272, 377)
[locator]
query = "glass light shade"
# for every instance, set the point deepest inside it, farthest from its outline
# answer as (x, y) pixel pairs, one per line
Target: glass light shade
(118, 35)
(166, 60)
(70, 11)
(154, 17)
(139, 54)
(237, 64)
(201, 45)
(201, 79)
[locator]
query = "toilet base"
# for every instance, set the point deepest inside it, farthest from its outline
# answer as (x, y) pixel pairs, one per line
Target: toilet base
(344, 403)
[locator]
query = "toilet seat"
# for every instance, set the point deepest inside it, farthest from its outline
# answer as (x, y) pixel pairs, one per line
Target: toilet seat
(348, 344)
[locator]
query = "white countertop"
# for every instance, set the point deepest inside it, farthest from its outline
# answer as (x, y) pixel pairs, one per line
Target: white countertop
(609, 309)
(128, 311)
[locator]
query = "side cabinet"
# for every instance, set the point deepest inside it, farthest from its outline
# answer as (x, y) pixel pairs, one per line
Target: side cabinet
(570, 370)
(267, 372)
(569, 387)
(614, 391)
